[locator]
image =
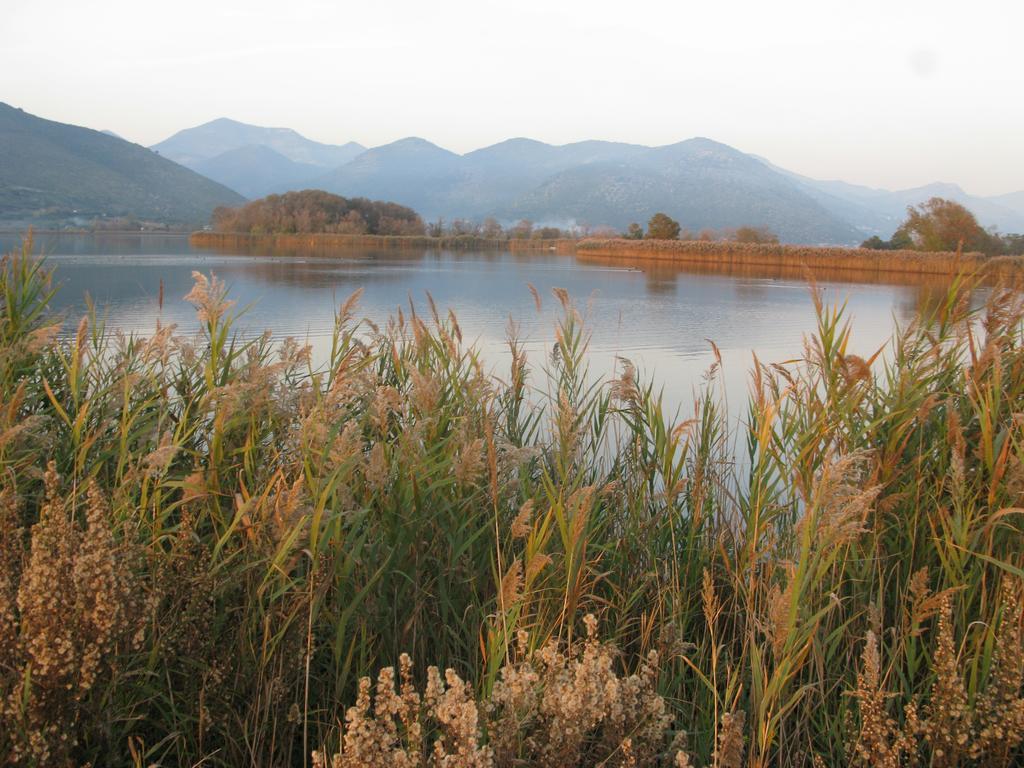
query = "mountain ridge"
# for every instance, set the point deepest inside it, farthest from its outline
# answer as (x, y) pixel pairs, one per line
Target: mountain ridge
(55, 171)
(212, 149)
(700, 181)
(599, 183)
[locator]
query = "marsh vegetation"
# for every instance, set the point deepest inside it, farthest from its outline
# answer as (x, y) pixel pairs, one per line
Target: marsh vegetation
(210, 546)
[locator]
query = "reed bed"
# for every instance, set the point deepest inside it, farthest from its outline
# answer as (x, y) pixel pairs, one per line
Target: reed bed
(210, 549)
(331, 242)
(669, 268)
(863, 260)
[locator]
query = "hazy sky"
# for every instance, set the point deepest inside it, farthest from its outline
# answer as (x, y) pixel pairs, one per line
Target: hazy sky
(891, 93)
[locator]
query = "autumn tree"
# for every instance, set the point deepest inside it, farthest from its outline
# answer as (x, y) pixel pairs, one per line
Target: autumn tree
(315, 211)
(759, 235)
(547, 233)
(522, 230)
(460, 227)
(944, 225)
(491, 229)
(661, 227)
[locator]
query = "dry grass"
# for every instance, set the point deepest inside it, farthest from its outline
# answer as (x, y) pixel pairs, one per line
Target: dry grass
(206, 546)
(732, 255)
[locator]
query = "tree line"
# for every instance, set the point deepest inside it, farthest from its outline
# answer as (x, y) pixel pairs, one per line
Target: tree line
(492, 229)
(935, 225)
(661, 226)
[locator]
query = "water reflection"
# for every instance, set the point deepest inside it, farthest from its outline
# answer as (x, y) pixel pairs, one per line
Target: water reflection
(658, 315)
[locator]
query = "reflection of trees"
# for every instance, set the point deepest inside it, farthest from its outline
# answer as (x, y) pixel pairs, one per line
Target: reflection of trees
(929, 301)
(759, 271)
(99, 243)
(315, 274)
(660, 282)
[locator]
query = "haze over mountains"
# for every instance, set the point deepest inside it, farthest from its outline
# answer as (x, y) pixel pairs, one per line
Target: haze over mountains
(251, 159)
(700, 182)
(48, 168)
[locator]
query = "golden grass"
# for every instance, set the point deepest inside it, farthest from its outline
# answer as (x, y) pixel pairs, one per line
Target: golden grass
(779, 257)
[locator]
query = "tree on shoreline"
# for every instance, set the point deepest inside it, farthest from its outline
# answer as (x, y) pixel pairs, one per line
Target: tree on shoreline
(945, 225)
(662, 227)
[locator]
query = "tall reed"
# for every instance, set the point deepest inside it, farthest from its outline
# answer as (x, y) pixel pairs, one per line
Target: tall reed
(206, 543)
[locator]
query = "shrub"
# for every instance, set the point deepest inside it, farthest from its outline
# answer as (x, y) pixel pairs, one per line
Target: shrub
(549, 709)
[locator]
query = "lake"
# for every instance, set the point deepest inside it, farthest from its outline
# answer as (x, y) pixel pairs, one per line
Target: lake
(661, 317)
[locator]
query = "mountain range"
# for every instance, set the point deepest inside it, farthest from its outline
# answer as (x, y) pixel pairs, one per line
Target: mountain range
(254, 160)
(700, 182)
(49, 169)
(52, 171)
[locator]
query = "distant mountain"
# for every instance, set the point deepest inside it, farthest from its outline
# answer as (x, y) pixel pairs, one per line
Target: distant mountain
(202, 148)
(499, 175)
(53, 171)
(700, 182)
(425, 177)
(880, 211)
(1013, 200)
(256, 170)
(990, 212)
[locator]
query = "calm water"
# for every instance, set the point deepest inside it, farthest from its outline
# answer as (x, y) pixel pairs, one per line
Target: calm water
(658, 317)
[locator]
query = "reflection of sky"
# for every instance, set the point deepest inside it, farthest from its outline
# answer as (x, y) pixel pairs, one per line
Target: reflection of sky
(660, 320)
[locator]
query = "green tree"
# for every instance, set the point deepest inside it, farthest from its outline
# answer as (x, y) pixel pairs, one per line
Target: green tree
(900, 241)
(1013, 244)
(634, 232)
(661, 227)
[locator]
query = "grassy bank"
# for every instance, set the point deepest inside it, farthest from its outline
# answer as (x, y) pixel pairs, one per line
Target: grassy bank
(204, 545)
(325, 242)
(862, 260)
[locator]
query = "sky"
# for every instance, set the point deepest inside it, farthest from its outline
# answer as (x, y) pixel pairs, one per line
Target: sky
(888, 93)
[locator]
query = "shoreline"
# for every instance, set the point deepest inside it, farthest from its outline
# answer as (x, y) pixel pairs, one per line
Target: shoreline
(713, 254)
(79, 232)
(326, 240)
